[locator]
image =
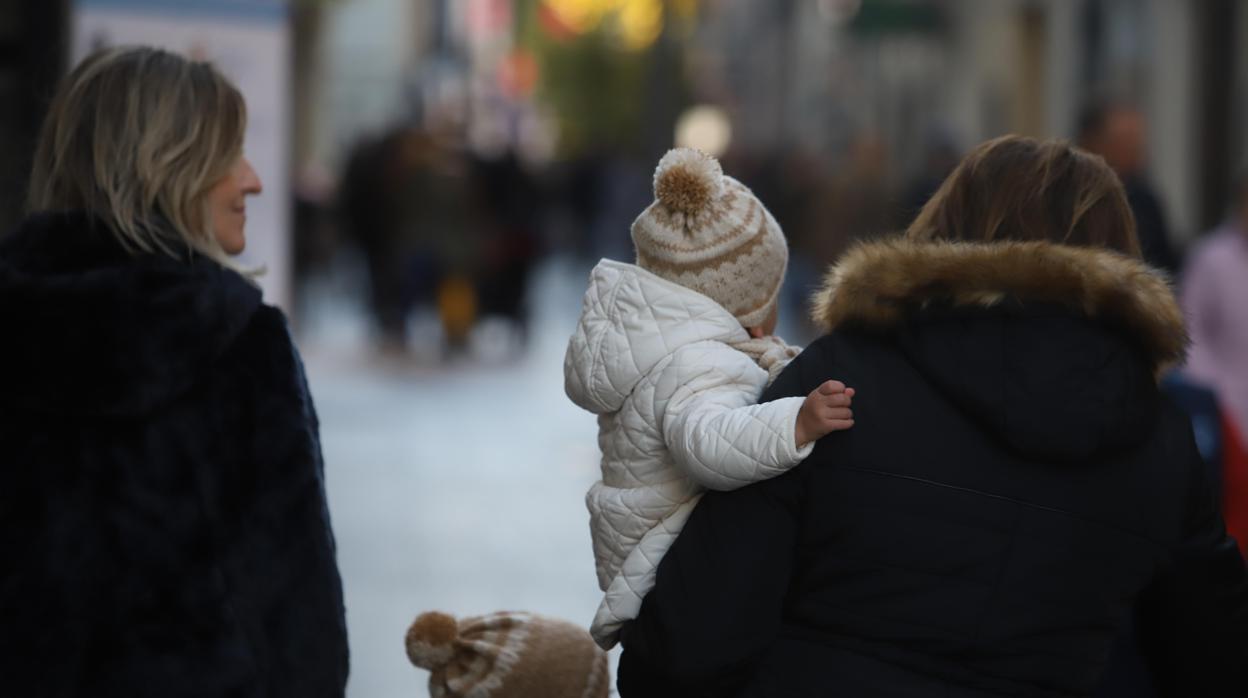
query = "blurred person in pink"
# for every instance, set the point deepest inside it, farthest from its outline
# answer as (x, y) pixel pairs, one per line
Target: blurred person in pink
(1215, 301)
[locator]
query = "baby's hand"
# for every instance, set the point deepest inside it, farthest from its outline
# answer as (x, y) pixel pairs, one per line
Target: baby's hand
(826, 410)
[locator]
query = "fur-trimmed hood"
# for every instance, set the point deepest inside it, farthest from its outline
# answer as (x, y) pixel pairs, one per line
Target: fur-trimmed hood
(876, 282)
(1056, 347)
(91, 329)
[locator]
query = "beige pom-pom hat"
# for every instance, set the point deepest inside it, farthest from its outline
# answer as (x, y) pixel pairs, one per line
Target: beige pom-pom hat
(708, 232)
(507, 655)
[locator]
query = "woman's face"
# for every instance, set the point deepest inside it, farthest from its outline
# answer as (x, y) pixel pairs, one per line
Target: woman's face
(227, 201)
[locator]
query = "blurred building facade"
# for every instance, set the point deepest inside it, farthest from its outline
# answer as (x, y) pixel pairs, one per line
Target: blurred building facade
(821, 75)
(832, 79)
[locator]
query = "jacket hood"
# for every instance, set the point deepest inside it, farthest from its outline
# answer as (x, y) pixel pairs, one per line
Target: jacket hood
(1055, 349)
(630, 321)
(92, 329)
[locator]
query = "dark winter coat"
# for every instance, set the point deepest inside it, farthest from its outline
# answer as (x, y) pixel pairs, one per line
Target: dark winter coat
(1150, 224)
(163, 526)
(1013, 488)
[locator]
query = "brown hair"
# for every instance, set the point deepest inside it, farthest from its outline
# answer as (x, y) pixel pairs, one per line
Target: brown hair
(137, 137)
(1016, 188)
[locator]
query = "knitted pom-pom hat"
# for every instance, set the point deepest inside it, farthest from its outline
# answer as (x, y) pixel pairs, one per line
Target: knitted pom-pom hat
(507, 655)
(707, 232)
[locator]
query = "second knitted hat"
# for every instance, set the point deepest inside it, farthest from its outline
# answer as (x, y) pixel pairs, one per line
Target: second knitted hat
(708, 232)
(507, 655)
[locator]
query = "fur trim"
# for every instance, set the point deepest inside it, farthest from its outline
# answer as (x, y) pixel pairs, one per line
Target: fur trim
(875, 283)
(91, 329)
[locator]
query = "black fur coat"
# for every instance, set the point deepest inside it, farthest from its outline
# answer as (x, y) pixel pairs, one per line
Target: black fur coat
(163, 525)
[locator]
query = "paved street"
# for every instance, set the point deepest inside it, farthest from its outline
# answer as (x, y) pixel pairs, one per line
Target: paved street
(454, 488)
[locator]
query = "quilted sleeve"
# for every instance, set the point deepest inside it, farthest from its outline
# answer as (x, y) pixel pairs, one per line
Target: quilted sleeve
(711, 424)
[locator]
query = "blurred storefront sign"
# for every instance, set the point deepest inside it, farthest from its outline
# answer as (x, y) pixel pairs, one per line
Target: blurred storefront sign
(884, 17)
(637, 24)
(249, 40)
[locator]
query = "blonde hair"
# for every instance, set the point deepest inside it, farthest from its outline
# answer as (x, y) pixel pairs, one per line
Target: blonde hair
(137, 137)
(1018, 188)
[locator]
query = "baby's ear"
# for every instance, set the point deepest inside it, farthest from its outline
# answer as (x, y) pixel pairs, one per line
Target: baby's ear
(756, 332)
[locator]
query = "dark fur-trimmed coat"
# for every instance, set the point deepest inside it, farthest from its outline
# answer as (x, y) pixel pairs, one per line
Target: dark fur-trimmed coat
(1015, 487)
(163, 524)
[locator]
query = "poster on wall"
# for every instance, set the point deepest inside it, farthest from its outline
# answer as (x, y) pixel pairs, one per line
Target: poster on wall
(249, 41)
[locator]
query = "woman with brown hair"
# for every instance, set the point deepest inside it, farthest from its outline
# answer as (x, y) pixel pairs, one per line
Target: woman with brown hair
(163, 522)
(1015, 487)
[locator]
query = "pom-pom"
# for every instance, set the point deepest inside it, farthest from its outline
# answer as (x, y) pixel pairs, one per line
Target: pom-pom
(688, 180)
(431, 640)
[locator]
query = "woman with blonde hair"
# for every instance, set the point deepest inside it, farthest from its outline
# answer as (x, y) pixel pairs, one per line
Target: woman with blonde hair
(163, 522)
(1014, 489)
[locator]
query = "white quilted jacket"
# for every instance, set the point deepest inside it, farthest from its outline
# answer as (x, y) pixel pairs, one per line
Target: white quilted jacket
(676, 415)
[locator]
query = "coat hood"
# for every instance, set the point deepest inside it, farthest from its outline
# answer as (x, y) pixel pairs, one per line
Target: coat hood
(91, 329)
(1055, 349)
(630, 321)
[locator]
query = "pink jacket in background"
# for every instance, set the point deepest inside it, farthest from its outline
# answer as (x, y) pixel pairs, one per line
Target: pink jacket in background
(1215, 301)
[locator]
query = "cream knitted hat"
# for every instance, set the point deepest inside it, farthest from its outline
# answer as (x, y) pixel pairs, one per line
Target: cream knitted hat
(507, 655)
(707, 232)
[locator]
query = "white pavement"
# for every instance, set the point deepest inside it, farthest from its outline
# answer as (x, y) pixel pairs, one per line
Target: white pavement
(455, 488)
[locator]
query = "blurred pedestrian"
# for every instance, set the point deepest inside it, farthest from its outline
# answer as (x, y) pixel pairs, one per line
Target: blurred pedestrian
(313, 248)
(940, 155)
(370, 214)
(1215, 299)
(163, 521)
(1118, 132)
(1014, 488)
(858, 201)
(406, 202)
(510, 203)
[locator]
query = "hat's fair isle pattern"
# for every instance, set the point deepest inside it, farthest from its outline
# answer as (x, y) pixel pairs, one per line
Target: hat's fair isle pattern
(707, 231)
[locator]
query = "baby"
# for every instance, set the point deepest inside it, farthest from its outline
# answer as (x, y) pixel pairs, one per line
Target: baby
(672, 354)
